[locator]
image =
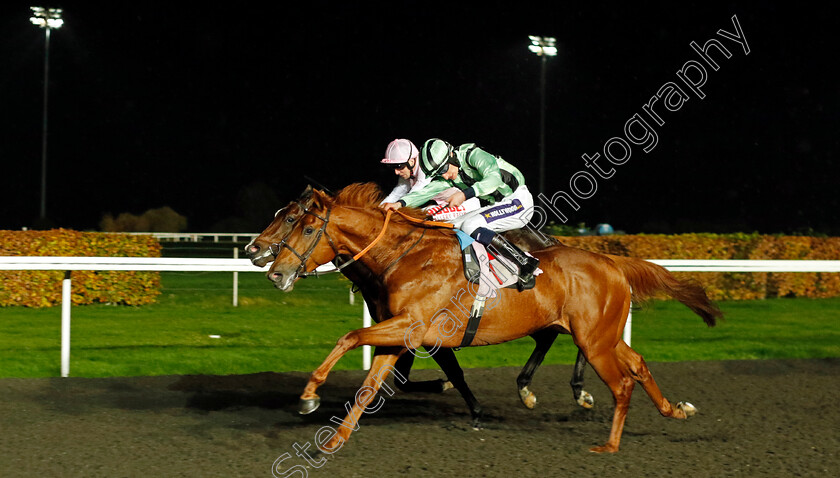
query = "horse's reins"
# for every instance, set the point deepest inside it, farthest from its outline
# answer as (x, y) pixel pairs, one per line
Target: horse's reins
(446, 225)
(323, 231)
(411, 219)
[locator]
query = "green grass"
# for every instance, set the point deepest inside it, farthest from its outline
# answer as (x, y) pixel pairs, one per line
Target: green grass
(277, 331)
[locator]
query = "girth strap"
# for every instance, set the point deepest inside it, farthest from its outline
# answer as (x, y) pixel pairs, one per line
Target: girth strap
(472, 324)
(472, 328)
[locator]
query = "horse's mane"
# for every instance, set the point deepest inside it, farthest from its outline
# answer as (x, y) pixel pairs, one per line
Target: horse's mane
(368, 195)
(363, 195)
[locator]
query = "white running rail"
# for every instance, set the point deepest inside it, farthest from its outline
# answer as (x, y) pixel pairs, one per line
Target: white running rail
(168, 264)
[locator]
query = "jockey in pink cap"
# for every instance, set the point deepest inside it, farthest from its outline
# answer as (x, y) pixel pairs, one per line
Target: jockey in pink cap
(403, 156)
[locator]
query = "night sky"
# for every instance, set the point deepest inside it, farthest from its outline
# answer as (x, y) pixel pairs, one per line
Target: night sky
(220, 112)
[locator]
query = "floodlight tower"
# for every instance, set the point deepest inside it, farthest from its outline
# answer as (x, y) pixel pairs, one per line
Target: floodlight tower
(46, 18)
(543, 47)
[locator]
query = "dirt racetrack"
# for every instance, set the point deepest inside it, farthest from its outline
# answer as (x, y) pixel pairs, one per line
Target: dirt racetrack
(756, 418)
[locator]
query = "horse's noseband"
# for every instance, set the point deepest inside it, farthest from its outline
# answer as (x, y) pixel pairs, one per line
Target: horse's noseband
(305, 256)
(323, 232)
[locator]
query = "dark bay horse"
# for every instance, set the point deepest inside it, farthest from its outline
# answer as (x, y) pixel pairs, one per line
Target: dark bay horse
(583, 294)
(262, 249)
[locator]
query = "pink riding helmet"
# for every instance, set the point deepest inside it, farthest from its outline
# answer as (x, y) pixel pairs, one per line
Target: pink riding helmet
(400, 151)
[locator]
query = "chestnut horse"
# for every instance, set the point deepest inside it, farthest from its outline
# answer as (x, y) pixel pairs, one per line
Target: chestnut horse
(583, 294)
(261, 251)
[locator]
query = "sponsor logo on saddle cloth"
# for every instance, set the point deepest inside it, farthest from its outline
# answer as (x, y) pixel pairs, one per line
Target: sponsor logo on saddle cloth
(503, 211)
(444, 212)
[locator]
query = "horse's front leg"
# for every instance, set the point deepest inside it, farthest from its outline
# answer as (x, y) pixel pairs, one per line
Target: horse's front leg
(389, 333)
(383, 364)
(450, 366)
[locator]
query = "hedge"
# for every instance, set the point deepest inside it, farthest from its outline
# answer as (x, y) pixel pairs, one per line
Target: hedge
(43, 288)
(731, 285)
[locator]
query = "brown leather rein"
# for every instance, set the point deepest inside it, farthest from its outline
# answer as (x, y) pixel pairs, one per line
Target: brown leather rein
(304, 257)
(410, 219)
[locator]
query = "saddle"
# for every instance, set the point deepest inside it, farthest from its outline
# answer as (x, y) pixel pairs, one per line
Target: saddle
(490, 272)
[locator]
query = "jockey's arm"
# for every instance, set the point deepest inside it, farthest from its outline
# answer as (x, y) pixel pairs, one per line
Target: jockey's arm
(420, 197)
(491, 176)
(457, 199)
(401, 189)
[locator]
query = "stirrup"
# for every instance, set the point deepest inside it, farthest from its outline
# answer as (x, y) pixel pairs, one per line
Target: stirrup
(526, 271)
(527, 279)
(526, 263)
(525, 285)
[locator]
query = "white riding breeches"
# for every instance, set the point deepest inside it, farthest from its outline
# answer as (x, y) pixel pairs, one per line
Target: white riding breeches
(513, 212)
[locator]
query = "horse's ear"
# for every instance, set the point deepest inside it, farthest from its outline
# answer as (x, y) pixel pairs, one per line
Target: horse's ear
(319, 198)
(307, 192)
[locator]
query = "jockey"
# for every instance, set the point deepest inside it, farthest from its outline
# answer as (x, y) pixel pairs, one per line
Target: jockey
(505, 201)
(402, 155)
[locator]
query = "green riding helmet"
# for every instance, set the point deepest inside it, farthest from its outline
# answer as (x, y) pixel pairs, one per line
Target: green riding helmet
(434, 157)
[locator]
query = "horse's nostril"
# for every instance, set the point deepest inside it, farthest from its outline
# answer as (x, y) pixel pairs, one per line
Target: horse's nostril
(253, 249)
(276, 276)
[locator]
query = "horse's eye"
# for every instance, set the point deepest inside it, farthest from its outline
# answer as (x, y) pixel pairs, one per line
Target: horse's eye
(308, 231)
(290, 220)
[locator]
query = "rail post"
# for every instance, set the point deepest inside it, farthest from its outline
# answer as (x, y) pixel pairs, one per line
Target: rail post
(66, 302)
(236, 280)
(366, 321)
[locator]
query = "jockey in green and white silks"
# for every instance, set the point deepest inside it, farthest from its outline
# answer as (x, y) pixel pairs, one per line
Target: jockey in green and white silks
(404, 158)
(506, 203)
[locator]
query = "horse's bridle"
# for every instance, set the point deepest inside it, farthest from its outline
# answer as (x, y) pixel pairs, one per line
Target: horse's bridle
(280, 245)
(283, 244)
(323, 232)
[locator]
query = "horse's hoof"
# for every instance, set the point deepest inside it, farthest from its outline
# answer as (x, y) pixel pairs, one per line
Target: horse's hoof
(476, 424)
(687, 408)
(586, 400)
(528, 398)
(603, 449)
(309, 405)
(447, 385)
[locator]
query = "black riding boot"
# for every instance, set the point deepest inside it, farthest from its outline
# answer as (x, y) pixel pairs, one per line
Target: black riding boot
(527, 264)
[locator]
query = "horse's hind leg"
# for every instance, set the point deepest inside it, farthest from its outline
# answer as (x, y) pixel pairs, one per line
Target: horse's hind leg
(640, 372)
(604, 360)
(620, 367)
(581, 396)
(544, 339)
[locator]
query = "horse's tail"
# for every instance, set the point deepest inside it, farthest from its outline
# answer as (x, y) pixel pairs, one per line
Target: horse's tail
(647, 278)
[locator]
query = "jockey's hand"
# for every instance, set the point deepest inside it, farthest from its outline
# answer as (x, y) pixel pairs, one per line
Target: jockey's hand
(391, 206)
(457, 199)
